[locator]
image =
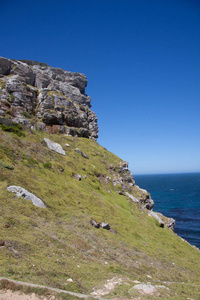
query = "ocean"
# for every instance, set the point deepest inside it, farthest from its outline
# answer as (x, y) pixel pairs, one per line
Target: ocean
(176, 196)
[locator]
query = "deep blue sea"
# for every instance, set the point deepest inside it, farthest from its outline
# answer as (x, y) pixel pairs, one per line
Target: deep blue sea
(176, 196)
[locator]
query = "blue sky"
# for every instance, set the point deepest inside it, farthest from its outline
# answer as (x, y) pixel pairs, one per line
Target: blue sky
(142, 61)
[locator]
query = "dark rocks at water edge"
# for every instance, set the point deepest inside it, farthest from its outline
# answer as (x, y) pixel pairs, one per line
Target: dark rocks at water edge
(46, 98)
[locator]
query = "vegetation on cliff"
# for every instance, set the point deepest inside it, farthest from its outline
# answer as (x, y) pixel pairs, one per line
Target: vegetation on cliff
(57, 246)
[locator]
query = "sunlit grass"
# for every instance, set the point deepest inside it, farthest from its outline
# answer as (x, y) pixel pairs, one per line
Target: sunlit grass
(50, 245)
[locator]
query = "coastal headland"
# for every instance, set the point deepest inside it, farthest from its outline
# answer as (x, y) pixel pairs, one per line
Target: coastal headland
(72, 217)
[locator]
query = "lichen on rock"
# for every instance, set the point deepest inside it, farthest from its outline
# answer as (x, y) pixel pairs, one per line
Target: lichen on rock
(52, 96)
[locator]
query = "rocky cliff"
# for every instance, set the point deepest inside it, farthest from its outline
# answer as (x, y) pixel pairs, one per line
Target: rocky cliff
(40, 97)
(72, 217)
(50, 99)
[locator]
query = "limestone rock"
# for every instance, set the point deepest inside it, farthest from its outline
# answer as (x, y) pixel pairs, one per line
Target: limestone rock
(123, 178)
(23, 71)
(21, 192)
(107, 288)
(144, 198)
(123, 167)
(169, 222)
(132, 197)
(81, 153)
(105, 225)
(54, 146)
(53, 96)
(155, 215)
(94, 223)
(100, 224)
(150, 204)
(145, 288)
(93, 127)
(77, 176)
(148, 289)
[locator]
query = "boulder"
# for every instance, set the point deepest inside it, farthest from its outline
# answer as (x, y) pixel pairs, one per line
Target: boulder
(81, 153)
(21, 192)
(148, 289)
(94, 223)
(100, 224)
(150, 204)
(54, 146)
(77, 176)
(171, 223)
(105, 225)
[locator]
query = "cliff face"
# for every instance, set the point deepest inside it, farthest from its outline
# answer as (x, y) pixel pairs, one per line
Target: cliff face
(46, 98)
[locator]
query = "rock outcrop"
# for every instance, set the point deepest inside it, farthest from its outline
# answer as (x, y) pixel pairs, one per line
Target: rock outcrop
(124, 182)
(148, 289)
(169, 222)
(41, 97)
(50, 99)
(155, 216)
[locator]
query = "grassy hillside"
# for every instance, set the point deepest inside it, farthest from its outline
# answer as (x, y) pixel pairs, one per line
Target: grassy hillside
(50, 245)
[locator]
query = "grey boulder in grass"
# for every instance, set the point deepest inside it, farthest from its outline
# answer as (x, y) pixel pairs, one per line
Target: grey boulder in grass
(54, 146)
(21, 192)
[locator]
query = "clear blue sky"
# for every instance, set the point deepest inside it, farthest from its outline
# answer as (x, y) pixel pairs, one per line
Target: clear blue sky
(142, 61)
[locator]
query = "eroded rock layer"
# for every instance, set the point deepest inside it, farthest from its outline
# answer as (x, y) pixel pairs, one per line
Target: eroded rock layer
(41, 97)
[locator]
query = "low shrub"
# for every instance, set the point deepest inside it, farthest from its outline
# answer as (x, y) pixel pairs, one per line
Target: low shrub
(8, 125)
(47, 165)
(2, 164)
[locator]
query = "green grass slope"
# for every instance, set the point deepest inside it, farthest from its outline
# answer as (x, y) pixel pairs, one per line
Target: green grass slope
(49, 245)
